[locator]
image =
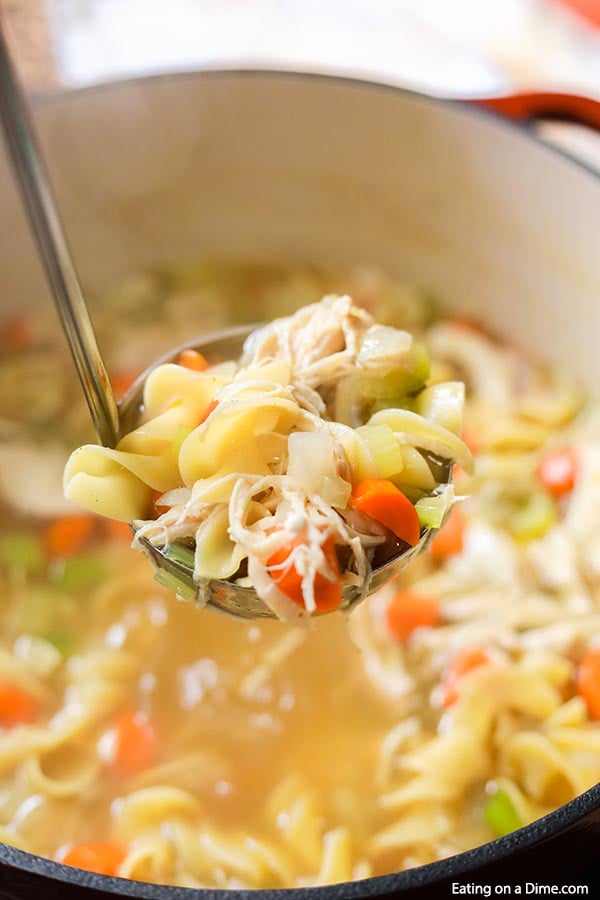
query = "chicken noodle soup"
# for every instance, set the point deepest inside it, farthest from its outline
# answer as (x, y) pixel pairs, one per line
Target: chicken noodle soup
(145, 738)
(309, 450)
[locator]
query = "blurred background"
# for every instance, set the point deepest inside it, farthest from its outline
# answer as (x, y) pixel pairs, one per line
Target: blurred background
(454, 47)
(447, 47)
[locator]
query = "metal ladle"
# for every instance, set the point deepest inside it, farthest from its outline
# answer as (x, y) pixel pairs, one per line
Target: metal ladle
(112, 420)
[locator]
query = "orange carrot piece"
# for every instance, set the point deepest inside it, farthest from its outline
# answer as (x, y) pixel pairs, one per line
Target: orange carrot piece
(102, 857)
(17, 334)
(135, 743)
(458, 474)
(192, 359)
(464, 661)
(68, 535)
(117, 531)
(17, 707)
(588, 680)
(212, 405)
(558, 470)
(328, 594)
(470, 439)
(409, 610)
(156, 508)
(381, 500)
(465, 323)
(122, 381)
(449, 540)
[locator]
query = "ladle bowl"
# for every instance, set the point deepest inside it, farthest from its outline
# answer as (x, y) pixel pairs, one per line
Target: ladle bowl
(227, 596)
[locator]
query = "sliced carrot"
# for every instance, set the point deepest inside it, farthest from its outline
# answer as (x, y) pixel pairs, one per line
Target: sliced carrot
(409, 610)
(328, 594)
(212, 405)
(464, 661)
(136, 743)
(17, 334)
(102, 857)
(156, 508)
(17, 707)
(449, 540)
(117, 531)
(381, 500)
(465, 323)
(192, 359)
(558, 470)
(470, 439)
(458, 474)
(588, 680)
(68, 536)
(122, 381)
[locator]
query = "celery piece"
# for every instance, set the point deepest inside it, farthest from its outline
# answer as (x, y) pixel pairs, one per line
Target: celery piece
(535, 518)
(384, 449)
(501, 815)
(407, 379)
(80, 572)
(433, 510)
(422, 364)
(170, 581)
(64, 641)
(404, 402)
(23, 551)
(181, 554)
(180, 435)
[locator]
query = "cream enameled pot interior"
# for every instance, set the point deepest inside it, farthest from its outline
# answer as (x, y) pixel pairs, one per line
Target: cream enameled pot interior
(273, 166)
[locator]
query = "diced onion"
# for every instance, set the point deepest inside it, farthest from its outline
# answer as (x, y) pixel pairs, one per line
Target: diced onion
(39, 655)
(335, 491)
(313, 464)
(383, 345)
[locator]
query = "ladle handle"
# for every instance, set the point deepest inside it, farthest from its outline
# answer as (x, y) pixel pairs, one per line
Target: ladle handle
(47, 228)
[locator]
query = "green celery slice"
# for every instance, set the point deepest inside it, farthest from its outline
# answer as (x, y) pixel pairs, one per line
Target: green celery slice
(80, 572)
(433, 510)
(64, 641)
(22, 550)
(501, 815)
(408, 379)
(535, 518)
(182, 554)
(180, 435)
(172, 583)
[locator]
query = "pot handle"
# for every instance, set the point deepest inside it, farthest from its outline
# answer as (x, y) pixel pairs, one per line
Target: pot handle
(542, 105)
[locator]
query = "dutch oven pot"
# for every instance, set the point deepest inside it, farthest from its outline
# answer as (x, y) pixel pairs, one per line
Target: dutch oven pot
(274, 166)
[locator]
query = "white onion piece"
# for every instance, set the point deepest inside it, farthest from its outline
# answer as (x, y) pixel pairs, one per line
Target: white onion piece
(313, 464)
(383, 345)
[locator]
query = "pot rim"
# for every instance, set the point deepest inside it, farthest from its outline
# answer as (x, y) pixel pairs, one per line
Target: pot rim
(563, 819)
(479, 106)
